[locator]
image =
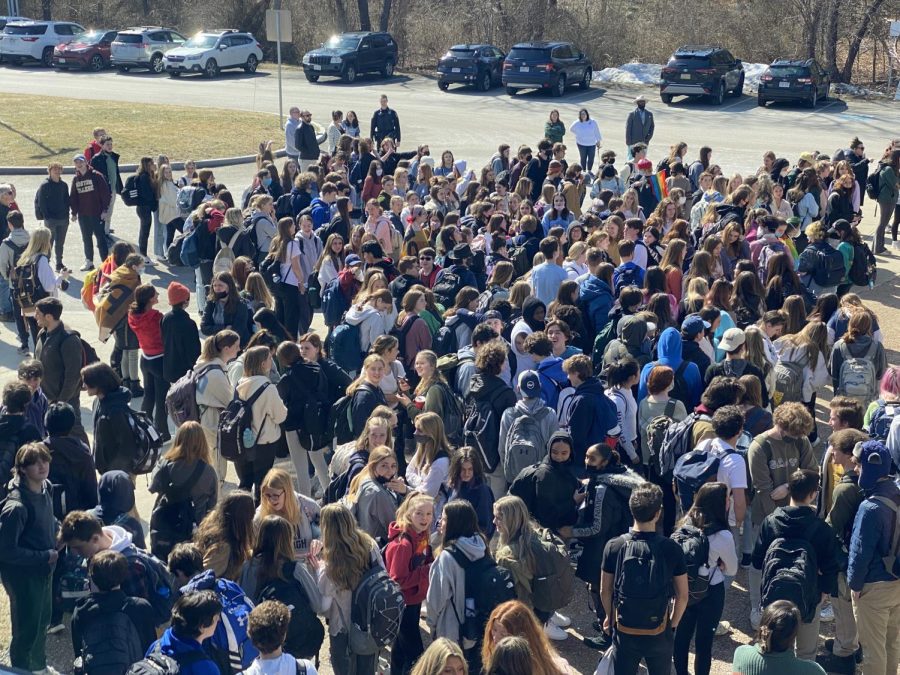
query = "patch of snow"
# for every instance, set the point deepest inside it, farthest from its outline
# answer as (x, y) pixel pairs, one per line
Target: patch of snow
(752, 73)
(854, 90)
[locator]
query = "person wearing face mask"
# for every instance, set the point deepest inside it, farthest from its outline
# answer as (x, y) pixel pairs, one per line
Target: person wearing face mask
(376, 492)
(639, 125)
(262, 181)
(533, 313)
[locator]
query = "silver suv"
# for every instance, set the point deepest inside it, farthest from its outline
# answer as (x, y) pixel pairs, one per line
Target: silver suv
(144, 47)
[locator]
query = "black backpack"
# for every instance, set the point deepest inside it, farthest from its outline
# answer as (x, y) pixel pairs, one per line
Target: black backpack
(270, 269)
(447, 287)
(445, 341)
(873, 183)
(235, 433)
(305, 633)
(695, 546)
(110, 644)
(172, 519)
(147, 440)
(482, 431)
(863, 268)
(157, 663)
(130, 191)
(829, 266)
(643, 587)
(680, 390)
(340, 485)
(283, 208)
(453, 415)
(487, 585)
(677, 441)
(26, 284)
(790, 573)
(63, 477)
(376, 608)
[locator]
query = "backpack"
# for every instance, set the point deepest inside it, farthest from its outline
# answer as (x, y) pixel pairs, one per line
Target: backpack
(486, 586)
(340, 485)
(109, 644)
(283, 208)
(677, 441)
(63, 477)
(873, 184)
(606, 335)
(224, 259)
(518, 256)
(863, 268)
(339, 420)
(553, 582)
(187, 199)
(447, 287)
(695, 546)
(157, 580)
(445, 341)
(376, 608)
(89, 287)
(130, 191)
(680, 390)
(305, 633)
(334, 303)
(762, 265)
(453, 415)
(343, 346)
(692, 470)
(402, 331)
(157, 663)
(270, 269)
(313, 291)
(181, 400)
(482, 431)
(829, 267)
(881, 419)
(892, 559)
(147, 441)
(88, 353)
(235, 433)
(486, 298)
(173, 252)
(627, 277)
(16, 254)
(190, 246)
(788, 383)
(857, 377)
(790, 573)
(656, 432)
(525, 443)
(27, 285)
(642, 588)
(172, 519)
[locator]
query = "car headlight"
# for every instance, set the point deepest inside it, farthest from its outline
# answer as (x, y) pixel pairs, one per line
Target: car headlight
(193, 57)
(335, 59)
(306, 59)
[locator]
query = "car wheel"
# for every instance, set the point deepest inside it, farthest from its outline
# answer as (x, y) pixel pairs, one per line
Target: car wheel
(739, 89)
(560, 87)
(252, 64)
(719, 97)
(123, 69)
(174, 73)
(312, 77)
(485, 83)
(512, 91)
(760, 101)
(586, 79)
(443, 86)
(47, 57)
(212, 68)
(814, 99)
(96, 64)
(350, 74)
(665, 98)
(156, 63)
(388, 70)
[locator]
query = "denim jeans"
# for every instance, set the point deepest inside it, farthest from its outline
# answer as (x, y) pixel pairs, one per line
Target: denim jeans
(5, 298)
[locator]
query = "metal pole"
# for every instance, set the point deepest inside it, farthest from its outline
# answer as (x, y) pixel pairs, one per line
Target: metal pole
(278, 51)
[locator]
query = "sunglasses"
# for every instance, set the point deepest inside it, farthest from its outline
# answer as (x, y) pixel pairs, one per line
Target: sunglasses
(426, 257)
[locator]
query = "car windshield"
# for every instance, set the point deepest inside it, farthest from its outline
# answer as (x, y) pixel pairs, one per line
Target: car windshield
(461, 53)
(91, 37)
(130, 38)
(789, 71)
(202, 41)
(529, 54)
(12, 29)
(342, 42)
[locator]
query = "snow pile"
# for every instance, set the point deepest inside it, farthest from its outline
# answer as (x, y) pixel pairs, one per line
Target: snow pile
(631, 73)
(752, 73)
(854, 90)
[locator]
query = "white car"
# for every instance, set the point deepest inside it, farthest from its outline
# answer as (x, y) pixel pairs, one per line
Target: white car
(214, 51)
(35, 40)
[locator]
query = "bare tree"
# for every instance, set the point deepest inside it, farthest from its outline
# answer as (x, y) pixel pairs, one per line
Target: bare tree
(862, 28)
(365, 23)
(385, 15)
(340, 15)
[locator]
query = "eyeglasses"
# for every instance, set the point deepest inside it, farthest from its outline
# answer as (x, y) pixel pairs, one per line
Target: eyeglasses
(426, 257)
(273, 496)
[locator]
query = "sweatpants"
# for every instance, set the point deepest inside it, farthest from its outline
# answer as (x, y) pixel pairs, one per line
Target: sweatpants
(30, 605)
(878, 620)
(655, 650)
(699, 624)
(58, 228)
(846, 640)
(301, 457)
(92, 226)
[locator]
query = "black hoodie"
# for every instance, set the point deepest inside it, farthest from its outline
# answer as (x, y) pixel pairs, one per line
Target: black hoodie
(14, 433)
(492, 388)
(98, 605)
(116, 496)
(114, 444)
(304, 389)
(71, 468)
(529, 307)
(548, 488)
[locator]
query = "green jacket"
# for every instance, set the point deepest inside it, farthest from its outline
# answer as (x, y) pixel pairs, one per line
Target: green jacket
(846, 498)
(888, 185)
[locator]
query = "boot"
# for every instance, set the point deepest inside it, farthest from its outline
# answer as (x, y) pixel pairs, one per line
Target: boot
(134, 386)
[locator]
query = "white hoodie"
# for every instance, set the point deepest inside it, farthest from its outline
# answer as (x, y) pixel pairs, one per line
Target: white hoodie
(283, 665)
(371, 324)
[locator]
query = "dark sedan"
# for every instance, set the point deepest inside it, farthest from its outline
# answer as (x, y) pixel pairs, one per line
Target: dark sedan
(89, 50)
(478, 65)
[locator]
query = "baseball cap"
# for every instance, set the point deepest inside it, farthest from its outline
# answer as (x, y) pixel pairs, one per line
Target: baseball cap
(693, 325)
(530, 384)
(492, 314)
(352, 259)
(874, 462)
(732, 339)
(807, 157)
(79, 157)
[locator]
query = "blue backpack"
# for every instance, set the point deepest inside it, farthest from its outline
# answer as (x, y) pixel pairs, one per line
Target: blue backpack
(882, 417)
(190, 247)
(334, 303)
(343, 347)
(692, 470)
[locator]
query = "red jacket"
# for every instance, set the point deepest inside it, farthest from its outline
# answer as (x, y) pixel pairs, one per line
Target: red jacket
(408, 557)
(148, 328)
(429, 279)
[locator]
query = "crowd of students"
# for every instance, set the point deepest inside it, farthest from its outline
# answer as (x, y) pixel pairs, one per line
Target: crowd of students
(529, 376)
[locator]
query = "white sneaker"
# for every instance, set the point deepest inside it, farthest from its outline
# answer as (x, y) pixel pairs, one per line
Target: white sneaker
(755, 616)
(724, 628)
(554, 632)
(827, 614)
(57, 628)
(560, 620)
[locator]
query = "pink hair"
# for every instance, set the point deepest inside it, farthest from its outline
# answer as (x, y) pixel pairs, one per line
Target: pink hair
(890, 382)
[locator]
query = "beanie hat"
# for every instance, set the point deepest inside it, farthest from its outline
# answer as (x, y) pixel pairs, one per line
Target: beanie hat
(178, 293)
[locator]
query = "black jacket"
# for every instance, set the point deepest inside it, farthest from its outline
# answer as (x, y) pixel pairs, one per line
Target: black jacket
(72, 467)
(548, 489)
(385, 124)
(491, 388)
(114, 444)
(237, 320)
(536, 170)
(14, 433)
(690, 351)
(337, 377)
(115, 494)
(146, 193)
(400, 286)
(51, 201)
(365, 400)
(306, 142)
(390, 164)
(242, 245)
(181, 344)
(304, 385)
(98, 605)
(99, 164)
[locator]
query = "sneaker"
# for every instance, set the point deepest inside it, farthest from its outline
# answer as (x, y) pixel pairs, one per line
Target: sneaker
(746, 561)
(724, 628)
(829, 647)
(554, 632)
(826, 615)
(87, 267)
(7, 317)
(56, 628)
(23, 351)
(755, 616)
(560, 620)
(840, 665)
(601, 643)
(147, 261)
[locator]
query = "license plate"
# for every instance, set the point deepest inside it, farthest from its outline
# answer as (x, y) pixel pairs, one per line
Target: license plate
(316, 67)
(454, 70)
(784, 85)
(685, 76)
(61, 60)
(524, 69)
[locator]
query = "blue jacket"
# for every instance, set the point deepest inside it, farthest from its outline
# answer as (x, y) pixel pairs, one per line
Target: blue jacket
(592, 417)
(172, 645)
(669, 351)
(553, 380)
(300, 199)
(627, 274)
(321, 213)
(464, 273)
(595, 299)
(873, 529)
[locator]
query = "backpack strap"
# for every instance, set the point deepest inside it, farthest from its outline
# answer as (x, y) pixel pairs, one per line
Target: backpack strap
(681, 367)
(670, 407)
(870, 352)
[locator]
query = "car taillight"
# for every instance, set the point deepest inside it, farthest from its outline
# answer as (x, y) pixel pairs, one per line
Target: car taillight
(259, 46)
(507, 65)
(548, 67)
(804, 80)
(766, 78)
(29, 39)
(706, 71)
(668, 71)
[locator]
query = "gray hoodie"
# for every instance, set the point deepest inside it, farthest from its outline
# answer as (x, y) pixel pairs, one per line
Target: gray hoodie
(371, 324)
(19, 237)
(375, 508)
(446, 602)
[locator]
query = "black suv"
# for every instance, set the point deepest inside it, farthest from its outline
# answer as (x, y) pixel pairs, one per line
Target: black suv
(793, 80)
(546, 65)
(349, 54)
(702, 71)
(480, 65)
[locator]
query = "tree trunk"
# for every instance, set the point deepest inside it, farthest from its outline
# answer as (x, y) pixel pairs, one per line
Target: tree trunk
(365, 23)
(385, 16)
(46, 9)
(340, 15)
(812, 29)
(858, 35)
(831, 38)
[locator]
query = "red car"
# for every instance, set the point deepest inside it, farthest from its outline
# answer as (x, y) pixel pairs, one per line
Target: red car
(89, 50)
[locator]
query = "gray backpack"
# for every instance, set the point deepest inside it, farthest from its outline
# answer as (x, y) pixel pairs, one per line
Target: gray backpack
(857, 377)
(788, 383)
(525, 444)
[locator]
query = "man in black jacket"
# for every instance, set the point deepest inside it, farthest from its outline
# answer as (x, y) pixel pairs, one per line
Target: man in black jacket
(181, 338)
(409, 277)
(306, 141)
(385, 123)
(51, 204)
(106, 163)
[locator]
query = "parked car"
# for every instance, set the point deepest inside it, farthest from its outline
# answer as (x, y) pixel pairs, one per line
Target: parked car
(6, 19)
(213, 51)
(349, 54)
(35, 40)
(144, 47)
(90, 50)
(702, 71)
(793, 80)
(546, 65)
(478, 65)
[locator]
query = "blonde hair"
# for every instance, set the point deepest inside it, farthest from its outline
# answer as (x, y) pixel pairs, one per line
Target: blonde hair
(190, 445)
(432, 425)
(38, 244)
(376, 456)
(256, 288)
(368, 363)
(279, 479)
(519, 532)
(346, 549)
(434, 660)
(410, 504)
(213, 345)
(362, 442)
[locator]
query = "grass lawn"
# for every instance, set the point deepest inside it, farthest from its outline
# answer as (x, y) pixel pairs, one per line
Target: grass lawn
(35, 130)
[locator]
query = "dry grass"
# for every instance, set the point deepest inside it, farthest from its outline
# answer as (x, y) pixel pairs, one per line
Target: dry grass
(35, 130)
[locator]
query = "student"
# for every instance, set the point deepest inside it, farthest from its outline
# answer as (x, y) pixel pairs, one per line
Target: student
(621, 377)
(181, 338)
(467, 481)
(31, 372)
(736, 363)
(546, 277)
(514, 619)
(115, 502)
(429, 468)
(659, 383)
(145, 321)
(627, 618)
(279, 499)
(15, 430)
(549, 488)
(214, 390)
(588, 413)
(268, 628)
(225, 536)
(687, 385)
(28, 554)
(443, 657)
(94, 620)
(874, 588)
(376, 492)
(531, 405)
(60, 355)
(798, 522)
(115, 447)
(773, 653)
(72, 469)
(408, 557)
(548, 367)
(628, 273)
(194, 619)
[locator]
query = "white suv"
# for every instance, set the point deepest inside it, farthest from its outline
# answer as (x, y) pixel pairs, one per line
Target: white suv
(35, 40)
(213, 51)
(144, 47)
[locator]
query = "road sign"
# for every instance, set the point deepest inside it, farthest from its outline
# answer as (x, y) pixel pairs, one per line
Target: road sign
(278, 23)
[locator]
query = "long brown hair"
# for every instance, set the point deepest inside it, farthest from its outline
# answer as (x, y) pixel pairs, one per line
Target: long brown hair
(282, 239)
(346, 549)
(189, 445)
(274, 547)
(230, 522)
